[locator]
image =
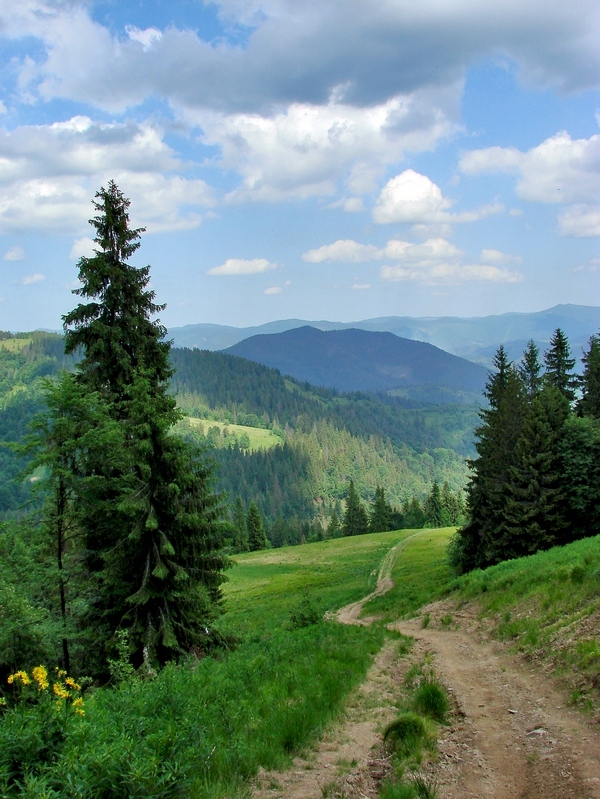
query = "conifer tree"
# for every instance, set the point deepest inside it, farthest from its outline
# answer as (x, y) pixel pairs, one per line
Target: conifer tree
(379, 518)
(452, 507)
(589, 404)
(559, 366)
(334, 527)
(534, 514)
(156, 553)
(256, 532)
(414, 515)
(240, 528)
(355, 521)
(434, 510)
(530, 370)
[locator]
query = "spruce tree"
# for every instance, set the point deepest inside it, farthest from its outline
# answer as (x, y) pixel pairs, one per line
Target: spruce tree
(414, 515)
(155, 555)
(240, 528)
(355, 521)
(379, 518)
(534, 515)
(334, 527)
(589, 404)
(559, 366)
(530, 370)
(256, 532)
(434, 510)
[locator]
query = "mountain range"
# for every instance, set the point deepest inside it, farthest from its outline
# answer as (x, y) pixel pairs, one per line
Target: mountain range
(361, 360)
(475, 338)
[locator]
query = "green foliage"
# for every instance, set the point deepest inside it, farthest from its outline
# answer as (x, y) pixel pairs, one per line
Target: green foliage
(559, 366)
(406, 731)
(256, 532)
(589, 404)
(305, 613)
(431, 700)
(381, 513)
(355, 519)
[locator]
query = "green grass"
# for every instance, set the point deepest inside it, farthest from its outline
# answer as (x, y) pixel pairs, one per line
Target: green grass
(203, 729)
(548, 605)
(14, 344)
(421, 574)
(259, 437)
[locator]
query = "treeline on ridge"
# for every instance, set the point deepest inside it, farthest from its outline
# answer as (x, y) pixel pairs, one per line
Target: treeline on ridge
(536, 479)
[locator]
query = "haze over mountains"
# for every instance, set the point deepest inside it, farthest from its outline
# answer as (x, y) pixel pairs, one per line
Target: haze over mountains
(474, 338)
(361, 360)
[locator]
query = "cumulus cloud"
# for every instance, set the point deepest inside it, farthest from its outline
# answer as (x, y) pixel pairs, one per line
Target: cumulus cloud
(434, 261)
(308, 150)
(438, 261)
(15, 254)
(82, 248)
(414, 198)
(559, 170)
(241, 266)
(580, 221)
(498, 257)
(380, 50)
(28, 280)
(49, 173)
(343, 250)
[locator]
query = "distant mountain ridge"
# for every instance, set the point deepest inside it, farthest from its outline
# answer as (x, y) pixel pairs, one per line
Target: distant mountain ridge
(474, 338)
(360, 360)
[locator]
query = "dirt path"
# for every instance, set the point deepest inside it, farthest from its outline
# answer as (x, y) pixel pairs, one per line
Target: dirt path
(511, 736)
(350, 614)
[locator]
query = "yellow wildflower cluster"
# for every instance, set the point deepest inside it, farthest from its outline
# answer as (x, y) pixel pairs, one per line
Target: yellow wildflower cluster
(64, 689)
(19, 676)
(40, 675)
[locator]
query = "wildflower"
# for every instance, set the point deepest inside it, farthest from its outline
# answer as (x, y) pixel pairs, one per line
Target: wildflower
(40, 675)
(19, 675)
(60, 691)
(72, 684)
(60, 672)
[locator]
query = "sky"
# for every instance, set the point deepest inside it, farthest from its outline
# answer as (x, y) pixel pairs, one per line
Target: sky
(315, 159)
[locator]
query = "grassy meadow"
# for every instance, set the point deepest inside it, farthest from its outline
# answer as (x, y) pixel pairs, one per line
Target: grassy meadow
(259, 437)
(548, 605)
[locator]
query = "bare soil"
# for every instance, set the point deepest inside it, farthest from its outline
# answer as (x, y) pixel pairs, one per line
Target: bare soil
(512, 734)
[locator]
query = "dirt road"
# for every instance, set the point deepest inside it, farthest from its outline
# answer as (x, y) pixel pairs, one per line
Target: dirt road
(512, 735)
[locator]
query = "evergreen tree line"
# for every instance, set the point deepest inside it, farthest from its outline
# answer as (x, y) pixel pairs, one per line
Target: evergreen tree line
(441, 508)
(128, 539)
(535, 482)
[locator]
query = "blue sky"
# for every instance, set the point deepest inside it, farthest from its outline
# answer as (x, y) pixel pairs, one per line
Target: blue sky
(324, 159)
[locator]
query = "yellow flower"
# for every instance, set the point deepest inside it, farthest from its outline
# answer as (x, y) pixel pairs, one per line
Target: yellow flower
(19, 675)
(80, 711)
(60, 672)
(78, 702)
(60, 691)
(40, 675)
(72, 684)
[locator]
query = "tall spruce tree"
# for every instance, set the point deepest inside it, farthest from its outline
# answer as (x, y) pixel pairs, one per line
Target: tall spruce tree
(256, 532)
(534, 513)
(559, 366)
(156, 554)
(589, 404)
(379, 518)
(530, 370)
(356, 521)
(240, 528)
(479, 543)
(434, 509)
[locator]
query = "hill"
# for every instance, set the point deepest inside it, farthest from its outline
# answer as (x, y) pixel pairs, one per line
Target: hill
(474, 338)
(359, 360)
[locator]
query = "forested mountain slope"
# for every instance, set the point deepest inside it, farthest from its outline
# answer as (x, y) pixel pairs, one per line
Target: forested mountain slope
(359, 360)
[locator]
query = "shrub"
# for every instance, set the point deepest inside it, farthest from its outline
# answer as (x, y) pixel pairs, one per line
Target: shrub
(431, 700)
(305, 613)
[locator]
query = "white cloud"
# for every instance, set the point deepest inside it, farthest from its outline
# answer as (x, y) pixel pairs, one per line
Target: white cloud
(273, 290)
(361, 286)
(15, 254)
(82, 248)
(353, 205)
(309, 150)
(559, 170)
(49, 173)
(343, 250)
(28, 280)
(414, 198)
(498, 257)
(240, 266)
(438, 261)
(145, 37)
(580, 221)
